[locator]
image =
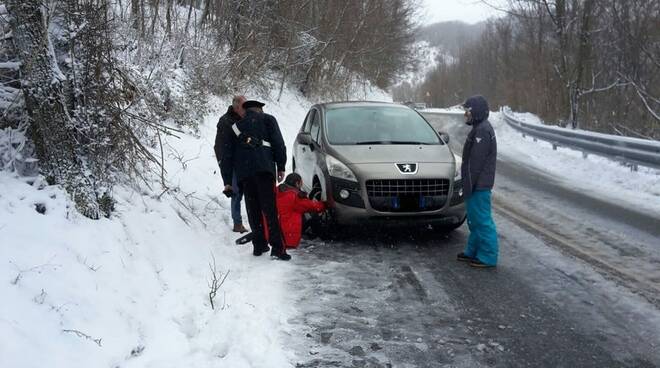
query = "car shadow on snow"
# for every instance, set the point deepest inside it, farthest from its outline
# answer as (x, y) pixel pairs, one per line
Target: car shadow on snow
(387, 235)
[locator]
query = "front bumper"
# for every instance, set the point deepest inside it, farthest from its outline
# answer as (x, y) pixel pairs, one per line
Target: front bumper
(357, 208)
(346, 215)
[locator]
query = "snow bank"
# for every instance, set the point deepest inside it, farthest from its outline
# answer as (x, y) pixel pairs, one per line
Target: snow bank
(594, 175)
(136, 282)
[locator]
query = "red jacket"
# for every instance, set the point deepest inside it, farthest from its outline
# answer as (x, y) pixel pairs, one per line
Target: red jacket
(291, 206)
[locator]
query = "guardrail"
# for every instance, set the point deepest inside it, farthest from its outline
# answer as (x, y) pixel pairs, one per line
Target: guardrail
(631, 151)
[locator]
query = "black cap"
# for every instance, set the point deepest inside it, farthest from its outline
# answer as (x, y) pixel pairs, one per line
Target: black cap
(252, 103)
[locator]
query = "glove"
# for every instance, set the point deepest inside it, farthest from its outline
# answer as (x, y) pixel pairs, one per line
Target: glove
(228, 192)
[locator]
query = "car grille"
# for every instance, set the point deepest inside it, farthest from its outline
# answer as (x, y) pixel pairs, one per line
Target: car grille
(405, 187)
(407, 195)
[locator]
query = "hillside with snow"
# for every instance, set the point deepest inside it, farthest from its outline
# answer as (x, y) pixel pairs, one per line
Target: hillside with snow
(133, 290)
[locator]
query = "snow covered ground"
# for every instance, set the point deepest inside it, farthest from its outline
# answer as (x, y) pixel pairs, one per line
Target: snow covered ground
(594, 175)
(132, 290)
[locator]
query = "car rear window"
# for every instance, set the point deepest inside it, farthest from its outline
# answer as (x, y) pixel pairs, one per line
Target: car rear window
(378, 125)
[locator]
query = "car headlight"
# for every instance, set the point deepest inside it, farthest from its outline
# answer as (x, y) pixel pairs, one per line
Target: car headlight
(457, 171)
(338, 169)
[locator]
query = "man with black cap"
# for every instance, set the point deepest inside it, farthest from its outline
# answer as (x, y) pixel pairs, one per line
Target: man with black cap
(257, 155)
(478, 173)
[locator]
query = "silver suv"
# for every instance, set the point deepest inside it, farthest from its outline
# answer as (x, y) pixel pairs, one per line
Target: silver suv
(379, 161)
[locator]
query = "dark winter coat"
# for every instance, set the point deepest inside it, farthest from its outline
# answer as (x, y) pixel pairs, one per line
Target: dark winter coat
(292, 204)
(480, 149)
(224, 128)
(246, 160)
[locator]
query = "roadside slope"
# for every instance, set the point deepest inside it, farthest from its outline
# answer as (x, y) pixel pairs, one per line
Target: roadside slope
(133, 290)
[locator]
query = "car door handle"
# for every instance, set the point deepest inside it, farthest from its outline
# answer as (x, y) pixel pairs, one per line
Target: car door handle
(304, 149)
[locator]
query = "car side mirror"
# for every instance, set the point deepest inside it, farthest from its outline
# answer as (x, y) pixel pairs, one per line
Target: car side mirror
(305, 138)
(444, 136)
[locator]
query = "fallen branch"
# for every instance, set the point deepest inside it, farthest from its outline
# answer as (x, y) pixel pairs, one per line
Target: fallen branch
(84, 336)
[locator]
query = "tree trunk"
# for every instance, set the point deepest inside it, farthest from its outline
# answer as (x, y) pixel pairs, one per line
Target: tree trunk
(155, 6)
(190, 8)
(51, 125)
(583, 56)
(168, 19)
(135, 14)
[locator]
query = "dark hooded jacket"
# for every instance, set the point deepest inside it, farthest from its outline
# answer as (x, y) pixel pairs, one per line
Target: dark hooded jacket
(480, 149)
(224, 128)
(247, 160)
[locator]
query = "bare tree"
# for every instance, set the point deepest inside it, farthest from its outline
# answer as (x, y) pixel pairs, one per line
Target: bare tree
(592, 64)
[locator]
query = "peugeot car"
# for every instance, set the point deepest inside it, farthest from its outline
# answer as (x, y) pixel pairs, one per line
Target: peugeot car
(377, 161)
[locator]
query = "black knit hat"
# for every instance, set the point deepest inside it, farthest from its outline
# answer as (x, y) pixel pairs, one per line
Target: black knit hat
(292, 179)
(252, 103)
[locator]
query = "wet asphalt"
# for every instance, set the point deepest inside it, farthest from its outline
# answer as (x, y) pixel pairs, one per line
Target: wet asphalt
(380, 297)
(388, 299)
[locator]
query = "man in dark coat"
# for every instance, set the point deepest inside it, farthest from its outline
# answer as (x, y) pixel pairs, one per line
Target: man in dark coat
(234, 113)
(478, 173)
(257, 155)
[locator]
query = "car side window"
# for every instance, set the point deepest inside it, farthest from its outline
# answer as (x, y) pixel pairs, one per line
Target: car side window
(308, 121)
(316, 126)
(305, 121)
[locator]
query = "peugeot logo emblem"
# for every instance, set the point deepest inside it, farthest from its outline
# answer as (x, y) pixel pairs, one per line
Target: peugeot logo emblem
(407, 169)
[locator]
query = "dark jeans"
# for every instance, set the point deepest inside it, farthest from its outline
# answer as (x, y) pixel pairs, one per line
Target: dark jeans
(259, 192)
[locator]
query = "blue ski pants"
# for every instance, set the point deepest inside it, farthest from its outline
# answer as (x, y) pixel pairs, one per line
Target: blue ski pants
(482, 243)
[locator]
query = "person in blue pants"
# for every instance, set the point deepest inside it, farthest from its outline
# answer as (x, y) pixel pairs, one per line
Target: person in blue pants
(478, 173)
(236, 207)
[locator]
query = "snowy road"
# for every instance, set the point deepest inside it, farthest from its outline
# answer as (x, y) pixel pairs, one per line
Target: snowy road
(577, 286)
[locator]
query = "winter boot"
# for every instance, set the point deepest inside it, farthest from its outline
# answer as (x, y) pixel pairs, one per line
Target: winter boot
(245, 239)
(281, 254)
(463, 258)
(260, 250)
(239, 228)
(478, 264)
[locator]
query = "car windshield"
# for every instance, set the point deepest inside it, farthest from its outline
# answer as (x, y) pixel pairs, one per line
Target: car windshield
(378, 125)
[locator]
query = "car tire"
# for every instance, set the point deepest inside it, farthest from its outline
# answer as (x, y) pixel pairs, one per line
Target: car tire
(328, 229)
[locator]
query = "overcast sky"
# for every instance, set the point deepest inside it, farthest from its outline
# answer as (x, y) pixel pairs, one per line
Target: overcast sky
(469, 11)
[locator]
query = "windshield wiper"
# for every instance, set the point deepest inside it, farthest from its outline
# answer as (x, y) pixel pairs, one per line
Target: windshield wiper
(408, 142)
(391, 142)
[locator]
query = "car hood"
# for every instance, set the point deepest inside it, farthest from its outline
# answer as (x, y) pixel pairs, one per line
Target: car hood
(385, 153)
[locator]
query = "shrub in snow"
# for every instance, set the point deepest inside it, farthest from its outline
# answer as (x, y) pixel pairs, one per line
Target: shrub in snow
(16, 151)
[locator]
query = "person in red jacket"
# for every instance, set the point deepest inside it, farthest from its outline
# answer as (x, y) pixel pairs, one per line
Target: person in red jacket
(292, 204)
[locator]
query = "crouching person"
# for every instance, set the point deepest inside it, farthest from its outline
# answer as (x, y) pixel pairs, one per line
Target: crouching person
(292, 204)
